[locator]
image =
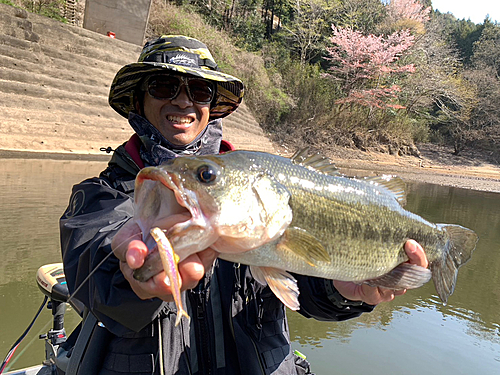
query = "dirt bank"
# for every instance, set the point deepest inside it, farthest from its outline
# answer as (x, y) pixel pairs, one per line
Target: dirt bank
(437, 165)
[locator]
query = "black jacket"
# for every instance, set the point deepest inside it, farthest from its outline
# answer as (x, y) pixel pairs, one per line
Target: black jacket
(237, 326)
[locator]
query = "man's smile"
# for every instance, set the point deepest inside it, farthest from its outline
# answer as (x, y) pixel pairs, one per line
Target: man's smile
(180, 119)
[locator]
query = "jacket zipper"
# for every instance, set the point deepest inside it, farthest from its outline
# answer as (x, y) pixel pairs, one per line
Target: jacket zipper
(236, 290)
(201, 318)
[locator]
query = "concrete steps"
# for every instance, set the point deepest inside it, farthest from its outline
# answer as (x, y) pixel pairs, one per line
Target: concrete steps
(25, 105)
(24, 61)
(54, 84)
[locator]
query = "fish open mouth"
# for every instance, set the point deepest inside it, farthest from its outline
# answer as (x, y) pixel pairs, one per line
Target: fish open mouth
(158, 203)
(158, 199)
(161, 201)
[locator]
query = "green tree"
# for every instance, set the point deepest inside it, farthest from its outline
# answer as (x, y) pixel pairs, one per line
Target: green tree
(438, 93)
(485, 75)
(305, 30)
(363, 15)
(462, 34)
(487, 48)
(465, 35)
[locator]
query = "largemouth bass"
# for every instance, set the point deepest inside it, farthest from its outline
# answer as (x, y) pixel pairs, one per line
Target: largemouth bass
(298, 215)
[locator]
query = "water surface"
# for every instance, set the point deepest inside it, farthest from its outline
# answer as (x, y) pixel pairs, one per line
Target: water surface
(33, 196)
(416, 333)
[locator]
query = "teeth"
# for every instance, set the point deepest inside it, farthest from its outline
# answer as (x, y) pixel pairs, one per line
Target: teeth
(179, 120)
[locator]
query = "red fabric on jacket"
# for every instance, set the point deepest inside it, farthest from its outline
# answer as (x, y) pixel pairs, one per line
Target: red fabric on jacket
(134, 145)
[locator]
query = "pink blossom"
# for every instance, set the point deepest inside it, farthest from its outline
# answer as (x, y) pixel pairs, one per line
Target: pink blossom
(409, 9)
(363, 62)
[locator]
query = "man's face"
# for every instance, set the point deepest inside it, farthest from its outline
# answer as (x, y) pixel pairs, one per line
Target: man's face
(179, 119)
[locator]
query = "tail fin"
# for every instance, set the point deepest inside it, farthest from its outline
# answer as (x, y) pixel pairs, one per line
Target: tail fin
(457, 251)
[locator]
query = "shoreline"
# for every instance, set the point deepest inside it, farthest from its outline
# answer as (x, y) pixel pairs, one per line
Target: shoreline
(53, 155)
(459, 177)
(435, 165)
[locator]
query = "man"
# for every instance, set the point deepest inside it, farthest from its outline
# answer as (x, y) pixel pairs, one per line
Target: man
(174, 99)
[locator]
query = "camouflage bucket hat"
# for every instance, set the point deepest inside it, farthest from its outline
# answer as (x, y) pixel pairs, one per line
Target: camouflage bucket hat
(181, 55)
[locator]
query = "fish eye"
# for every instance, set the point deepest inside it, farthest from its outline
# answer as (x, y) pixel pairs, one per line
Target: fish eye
(206, 174)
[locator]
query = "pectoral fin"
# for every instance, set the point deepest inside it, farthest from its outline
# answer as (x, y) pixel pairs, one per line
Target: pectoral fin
(404, 276)
(304, 245)
(283, 285)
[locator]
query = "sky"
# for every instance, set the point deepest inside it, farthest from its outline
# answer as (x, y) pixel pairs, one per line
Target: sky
(476, 10)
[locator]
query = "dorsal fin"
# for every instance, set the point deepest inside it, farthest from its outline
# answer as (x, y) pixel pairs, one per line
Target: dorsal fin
(314, 160)
(392, 183)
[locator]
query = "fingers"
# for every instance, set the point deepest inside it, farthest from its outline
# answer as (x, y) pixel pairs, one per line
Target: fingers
(207, 257)
(129, 232)
(416, 253)
(193, 268)
(365, 293)
(192, 271)
(399, 292)
(382, 295)
(132, 252)
(136, 254)
(375, 295)
(154, 287)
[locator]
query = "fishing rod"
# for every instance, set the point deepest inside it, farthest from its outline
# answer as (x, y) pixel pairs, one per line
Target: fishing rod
(12, 350)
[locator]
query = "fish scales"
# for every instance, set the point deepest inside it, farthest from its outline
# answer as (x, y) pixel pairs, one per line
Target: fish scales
(261, 209)
(351, 218)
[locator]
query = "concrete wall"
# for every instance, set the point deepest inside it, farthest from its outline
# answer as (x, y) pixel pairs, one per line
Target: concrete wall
(126, 18)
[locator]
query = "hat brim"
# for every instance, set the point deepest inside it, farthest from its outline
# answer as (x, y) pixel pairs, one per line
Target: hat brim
(229, 94)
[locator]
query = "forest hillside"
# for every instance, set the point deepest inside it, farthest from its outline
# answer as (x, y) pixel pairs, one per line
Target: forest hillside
(389, 77)
(372, 75)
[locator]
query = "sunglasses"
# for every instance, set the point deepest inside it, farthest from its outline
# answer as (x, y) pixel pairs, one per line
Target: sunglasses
(167, 87)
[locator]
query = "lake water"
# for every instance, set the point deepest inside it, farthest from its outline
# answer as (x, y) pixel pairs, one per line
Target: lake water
(415, 334)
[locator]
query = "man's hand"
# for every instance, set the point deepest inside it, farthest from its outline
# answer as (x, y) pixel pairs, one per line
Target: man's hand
(375, 295)
(131, 251)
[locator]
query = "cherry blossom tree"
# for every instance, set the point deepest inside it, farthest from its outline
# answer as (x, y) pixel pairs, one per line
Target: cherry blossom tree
(408, 9)
(366, 64)
(405, 14)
